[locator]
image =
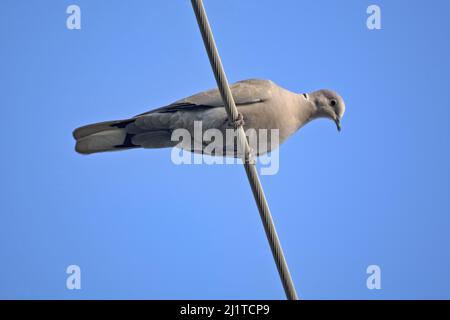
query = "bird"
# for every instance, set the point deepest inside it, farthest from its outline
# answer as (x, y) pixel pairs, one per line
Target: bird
(261, 104)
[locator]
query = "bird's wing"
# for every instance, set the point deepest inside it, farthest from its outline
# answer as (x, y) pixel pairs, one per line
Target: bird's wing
(244, 93)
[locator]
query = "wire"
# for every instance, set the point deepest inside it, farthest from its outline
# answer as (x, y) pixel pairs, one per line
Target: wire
(250, 168)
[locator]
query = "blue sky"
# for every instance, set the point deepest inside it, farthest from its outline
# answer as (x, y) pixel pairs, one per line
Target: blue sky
(141, 227)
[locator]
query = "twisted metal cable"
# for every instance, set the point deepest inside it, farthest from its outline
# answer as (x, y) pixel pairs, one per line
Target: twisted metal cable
(250, 168)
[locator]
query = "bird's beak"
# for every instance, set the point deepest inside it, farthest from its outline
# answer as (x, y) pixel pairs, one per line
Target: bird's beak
(338, 124)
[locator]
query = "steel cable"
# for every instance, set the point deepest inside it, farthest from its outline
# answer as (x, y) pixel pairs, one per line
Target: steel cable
(250, 168)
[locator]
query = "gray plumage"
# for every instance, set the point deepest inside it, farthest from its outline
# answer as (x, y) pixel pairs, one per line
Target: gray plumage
(262, 103)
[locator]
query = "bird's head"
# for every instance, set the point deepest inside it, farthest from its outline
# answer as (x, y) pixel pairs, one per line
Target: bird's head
(328, 104)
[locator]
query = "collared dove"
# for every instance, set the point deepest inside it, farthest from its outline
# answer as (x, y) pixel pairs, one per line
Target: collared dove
(261, 105)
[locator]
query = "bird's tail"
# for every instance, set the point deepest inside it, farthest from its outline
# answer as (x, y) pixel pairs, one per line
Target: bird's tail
(103, 136)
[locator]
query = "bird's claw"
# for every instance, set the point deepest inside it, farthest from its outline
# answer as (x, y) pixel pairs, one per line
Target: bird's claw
(238, 122)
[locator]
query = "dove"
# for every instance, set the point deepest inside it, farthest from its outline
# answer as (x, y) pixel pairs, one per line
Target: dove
(261, 104)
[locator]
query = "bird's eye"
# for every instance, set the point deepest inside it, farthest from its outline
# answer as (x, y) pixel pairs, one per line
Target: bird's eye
(333, 103)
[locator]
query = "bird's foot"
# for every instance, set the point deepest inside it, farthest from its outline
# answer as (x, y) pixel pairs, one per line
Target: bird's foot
(238, 122)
